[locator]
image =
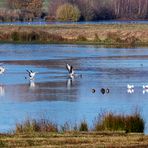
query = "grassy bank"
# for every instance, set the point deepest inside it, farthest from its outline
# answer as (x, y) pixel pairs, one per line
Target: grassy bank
(74, 140)
(109, 130)
(124, 34)
(104, 122)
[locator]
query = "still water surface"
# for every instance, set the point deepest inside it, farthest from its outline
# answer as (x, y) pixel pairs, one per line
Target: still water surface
(60, 99)
(42, 22)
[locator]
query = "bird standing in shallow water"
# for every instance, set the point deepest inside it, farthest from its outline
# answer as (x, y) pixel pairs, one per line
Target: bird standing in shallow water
(130, 88)
(70, 70)
(31, 74)
(2, 69)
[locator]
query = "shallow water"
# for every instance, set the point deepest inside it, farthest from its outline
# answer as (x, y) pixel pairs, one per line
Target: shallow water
(56, 97)
(42, 22)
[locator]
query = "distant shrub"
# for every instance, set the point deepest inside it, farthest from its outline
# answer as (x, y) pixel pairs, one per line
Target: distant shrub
(68, 12)
(81, 38)
(113, 38)
(33, 36)
(132, 40)
(15, 36)
(96, 38)
(65, 127)
(83, 126)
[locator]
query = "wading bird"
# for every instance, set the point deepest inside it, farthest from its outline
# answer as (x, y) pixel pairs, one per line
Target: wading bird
(70, 70)
(2, 69)
(31, 74)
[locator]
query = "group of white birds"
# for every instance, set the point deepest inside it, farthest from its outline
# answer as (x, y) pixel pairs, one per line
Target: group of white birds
(130, 88)
(32, 74)
(71, 74)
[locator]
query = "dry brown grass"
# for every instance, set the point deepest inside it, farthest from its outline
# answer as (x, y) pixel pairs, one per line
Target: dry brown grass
(71, 33)
(74, 140)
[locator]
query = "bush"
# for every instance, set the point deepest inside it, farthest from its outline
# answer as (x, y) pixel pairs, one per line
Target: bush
(68, 12)
(111, 122)
(83, 126)
(134, 123)
(96, 38)
(15, 36)
(30, 126)
(33, 36)
(81, 38)
(113, 37)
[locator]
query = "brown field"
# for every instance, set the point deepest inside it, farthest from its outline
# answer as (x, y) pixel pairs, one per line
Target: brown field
(71, 33)
(74, 140)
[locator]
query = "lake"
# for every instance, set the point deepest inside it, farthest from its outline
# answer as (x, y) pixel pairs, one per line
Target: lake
(42, 22)
(55, 96)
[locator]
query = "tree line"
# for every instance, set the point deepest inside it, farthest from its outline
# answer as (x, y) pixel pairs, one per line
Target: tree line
(74, 10)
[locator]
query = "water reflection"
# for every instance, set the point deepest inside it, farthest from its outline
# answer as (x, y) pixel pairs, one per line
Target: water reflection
(69, 82)
(32, 84)
(51, 91)
(130, 91)
(145, 91)
(2, 90)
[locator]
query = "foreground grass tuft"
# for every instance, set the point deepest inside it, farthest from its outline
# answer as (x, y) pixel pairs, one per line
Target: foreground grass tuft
(83, 126)
(30, 126)
(105, 122)
(129, 123)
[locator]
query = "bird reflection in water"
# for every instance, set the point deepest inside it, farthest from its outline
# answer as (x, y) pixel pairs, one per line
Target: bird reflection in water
(32, 84)
(70, 82)
(130, 91)
(145, 89)
(2, 91)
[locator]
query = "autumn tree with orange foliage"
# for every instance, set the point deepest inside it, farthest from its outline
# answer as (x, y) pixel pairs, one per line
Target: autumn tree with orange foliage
(29, 9)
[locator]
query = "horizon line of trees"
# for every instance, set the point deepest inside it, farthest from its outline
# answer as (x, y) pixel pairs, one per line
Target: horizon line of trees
(87, 10)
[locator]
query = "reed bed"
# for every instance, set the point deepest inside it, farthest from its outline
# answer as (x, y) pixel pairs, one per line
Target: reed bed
(105, 122)
(124, 34)
(126, 123)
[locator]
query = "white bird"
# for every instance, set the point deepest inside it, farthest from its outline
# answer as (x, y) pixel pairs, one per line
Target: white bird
(2, 69)
(70, 70)
(130, 86)
(31, 74)
(130, 91)
(145, 86)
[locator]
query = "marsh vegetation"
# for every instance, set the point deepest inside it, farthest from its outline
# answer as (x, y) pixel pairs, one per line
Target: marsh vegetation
(128, 34)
